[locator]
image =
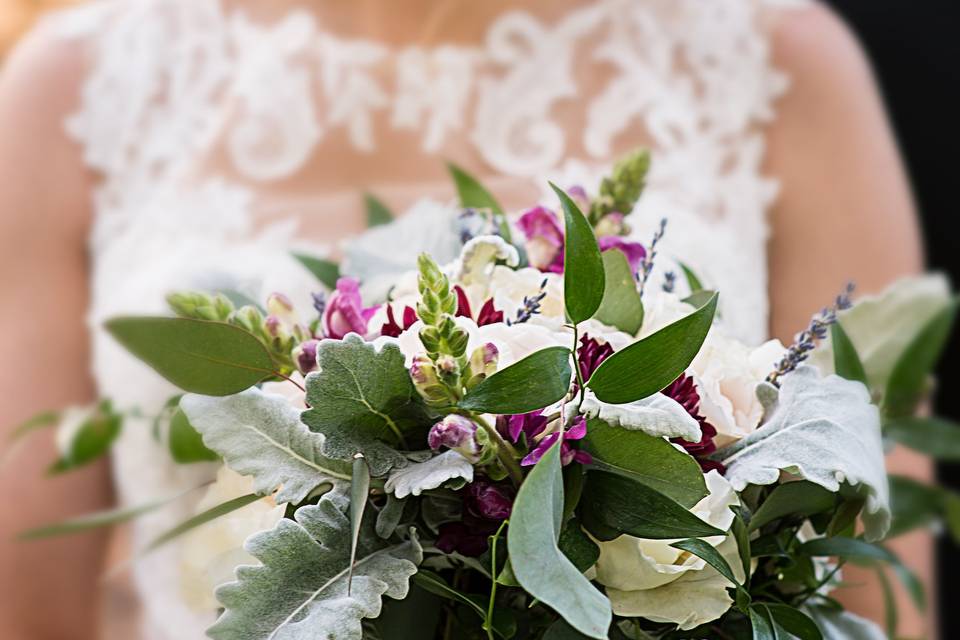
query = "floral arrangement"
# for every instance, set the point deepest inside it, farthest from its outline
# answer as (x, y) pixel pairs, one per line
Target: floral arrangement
(543, 438)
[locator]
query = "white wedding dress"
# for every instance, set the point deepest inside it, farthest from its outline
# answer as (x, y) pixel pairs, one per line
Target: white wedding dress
(695, 75)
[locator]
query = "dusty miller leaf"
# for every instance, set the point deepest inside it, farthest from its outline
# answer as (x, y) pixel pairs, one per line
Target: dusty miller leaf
(423, 476)
(656, 415)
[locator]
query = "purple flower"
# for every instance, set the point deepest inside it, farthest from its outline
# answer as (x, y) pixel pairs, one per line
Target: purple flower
(634, 251)
(568, 453)
(345, 312)
(684, 391)
(305, 355)
(485, 505)
(455, 432)
(544, 239)
(529, 424)
(489, 500)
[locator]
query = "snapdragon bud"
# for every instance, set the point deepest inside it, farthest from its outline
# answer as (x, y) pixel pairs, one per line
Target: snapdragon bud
(200, 306)
(458, 433)
(248, 318)
(280, 306)
(427, 382)
(305, 355)
(448, 369)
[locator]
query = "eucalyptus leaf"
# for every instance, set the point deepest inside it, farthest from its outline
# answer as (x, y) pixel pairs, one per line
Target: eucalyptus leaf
(846, 361)
(615, 504)
(377, 212)
(538, 563)
(362, 400)
(647, 459)
(934, 437)
(186, 443)
(649, 365)
(211, 358)
(532, 383)
(825, 430)
(621, 306)
(416, 478)
(261, 435)
(801, 498)
(583, 271)
(300, 590)
(326, 271)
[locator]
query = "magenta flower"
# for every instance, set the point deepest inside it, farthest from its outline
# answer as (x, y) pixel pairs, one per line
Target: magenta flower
(544, 236)
(568, 453)
(634, 251)
(345, 312)
(392, 328)
(684, 391)
(488, 313)
(455, 432)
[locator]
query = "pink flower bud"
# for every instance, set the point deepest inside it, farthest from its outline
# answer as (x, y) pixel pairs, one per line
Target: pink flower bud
(280, 306)
(305, 355)
(544, 235)
(455, 432)
(345, 312)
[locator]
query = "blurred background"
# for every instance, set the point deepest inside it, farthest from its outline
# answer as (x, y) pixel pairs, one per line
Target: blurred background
(914, 48)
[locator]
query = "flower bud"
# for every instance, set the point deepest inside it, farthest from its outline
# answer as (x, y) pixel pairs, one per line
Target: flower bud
(248, 318)
(305, 355)
(611, 224)
(280, 306)
(427, 382)
(579, 195)
(544, 236)
(344, 312)
(489, 500)
(458, 433)
(483, 363)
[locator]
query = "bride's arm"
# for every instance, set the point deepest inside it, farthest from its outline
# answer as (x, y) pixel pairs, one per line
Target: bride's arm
(49, 588)
(845, 212)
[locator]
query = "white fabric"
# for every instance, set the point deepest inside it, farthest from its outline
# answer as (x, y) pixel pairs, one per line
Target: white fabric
(696, 74)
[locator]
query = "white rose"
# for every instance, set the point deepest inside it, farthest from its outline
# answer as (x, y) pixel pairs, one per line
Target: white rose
(662, 309)
(210, 553)
(727, 373)
(651, 579)
(509, 287)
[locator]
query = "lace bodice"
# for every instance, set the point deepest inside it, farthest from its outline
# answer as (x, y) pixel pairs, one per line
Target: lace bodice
(195, 117)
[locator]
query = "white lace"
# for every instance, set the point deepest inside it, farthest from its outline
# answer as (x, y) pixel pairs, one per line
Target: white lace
(694, 75)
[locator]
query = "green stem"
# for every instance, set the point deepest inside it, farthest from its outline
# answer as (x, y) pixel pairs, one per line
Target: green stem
(488, 620)
(505, 451)
(576, 363)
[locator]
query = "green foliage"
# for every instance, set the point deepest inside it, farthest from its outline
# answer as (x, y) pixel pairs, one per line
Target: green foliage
(211, 358)
(793, 621)
(915, 504)
(377, 212)
(186, 443)
(802, 498)
(325, 271)
(648, 365)
(621, 306)
(692, 280)
(359, 492)
(200, 519)
(534, 382)
(301, 589)
(709, 554)
(647, 459)
(363, 401)
(577, 545)
(504, 623)
(538, 563)
(473, 195)
(201, 306)
(620, 191)
(98, 520)
(615, 504)
(583, 273)
(934, 437)
(846, 362)
(92, 440)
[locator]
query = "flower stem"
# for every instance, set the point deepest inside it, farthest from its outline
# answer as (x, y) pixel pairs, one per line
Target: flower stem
(505, 451)
(488, 621)
(576, 364)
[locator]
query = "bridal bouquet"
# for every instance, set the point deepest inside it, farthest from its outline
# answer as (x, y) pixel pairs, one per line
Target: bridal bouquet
(545, 437)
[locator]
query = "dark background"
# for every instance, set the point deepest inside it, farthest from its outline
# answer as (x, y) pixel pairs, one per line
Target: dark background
(915, 52)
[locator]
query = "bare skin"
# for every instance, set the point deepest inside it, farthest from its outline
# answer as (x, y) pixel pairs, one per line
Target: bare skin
(845, 212)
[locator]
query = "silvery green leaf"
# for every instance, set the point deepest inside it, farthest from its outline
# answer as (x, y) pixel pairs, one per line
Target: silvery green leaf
(260, 435)
(825, 430)
(478, 257)
(881, 327)
(299, 592)
(378, 255)
(656, 415)
(362, 400)
(423, 476)
(835, 623)
(390, 515)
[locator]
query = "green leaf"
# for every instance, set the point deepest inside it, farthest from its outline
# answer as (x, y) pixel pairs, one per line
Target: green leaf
(801, 498)
(474, 196)
(532, 383)
(793, 621)
(913, 504)
(891, 612)
(934, 437)
(848, 548)
(577, 546)
(35, 423)
(92, 440)
(952, 509)
(621, 306)
(908, 379)
(260, 435)
(200, 519)
(614, 503)
(742, 536)
(186, 443)
(583, 272)
(388, 519)
(692, 280)
(435, 584)
(647, 459)
(709, 554)
(762, 624)
(359, 492)
(537, 561)
(649, 365)
(561, 630)
(212, 358)
(363, 401)
(300, 590)
(377, 212)
(846, 361)
(325, 271)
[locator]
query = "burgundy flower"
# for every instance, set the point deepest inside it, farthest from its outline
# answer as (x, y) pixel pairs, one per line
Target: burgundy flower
(486, 504)
(345, 312)
(489, 500)
(591, 355)
(392, 328)
(488, 313)
(684, 391)
(634, 251)
(305, 355)
(568, 453)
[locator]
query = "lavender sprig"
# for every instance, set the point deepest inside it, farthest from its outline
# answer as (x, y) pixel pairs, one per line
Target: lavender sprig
(646, 267)
(531, 306)
(669, 282)
(807, 340)
(319, 302)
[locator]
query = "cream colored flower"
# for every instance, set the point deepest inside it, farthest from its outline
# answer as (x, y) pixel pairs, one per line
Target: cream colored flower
(660, 310)
(651, 579)
(210, 554)
(727, 373)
